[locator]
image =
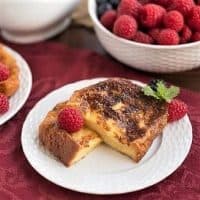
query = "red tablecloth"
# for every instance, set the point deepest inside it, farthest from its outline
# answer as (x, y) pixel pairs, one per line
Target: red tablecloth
(54, 65)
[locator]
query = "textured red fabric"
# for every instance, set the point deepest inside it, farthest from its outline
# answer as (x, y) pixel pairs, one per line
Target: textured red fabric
(54, 65)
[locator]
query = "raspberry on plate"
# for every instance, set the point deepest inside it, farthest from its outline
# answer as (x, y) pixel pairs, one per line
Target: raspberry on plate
(194, 18)
(185, 34)
(108, 19)
(125, 27)
(174, 20)
(129, 7)
(4, 72)
(151, 15)
(176, 110)
(154, 33)
(168, 37)
(70, 119)
(143, 38)
(195, 37)
(4, 103)
(183, 6)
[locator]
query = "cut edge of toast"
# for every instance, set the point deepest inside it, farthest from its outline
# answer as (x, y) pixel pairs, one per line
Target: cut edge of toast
(68, 148)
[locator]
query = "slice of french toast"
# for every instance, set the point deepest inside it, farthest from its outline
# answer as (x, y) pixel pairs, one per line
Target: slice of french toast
(9, 86)
(122, 115)
(69, 148)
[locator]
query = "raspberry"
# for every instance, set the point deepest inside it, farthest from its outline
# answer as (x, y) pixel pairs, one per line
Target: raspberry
(173, 20)
(154, 33)
(151, 15)
(129, 7)
(70, 119)
(195, 37)
(4, 72)
(125, 26)
(185, 34)
(194, 18)
(143, 38)
(176, 110)
(183, 6)
(168, 37)
(4, 104)
(108, 19)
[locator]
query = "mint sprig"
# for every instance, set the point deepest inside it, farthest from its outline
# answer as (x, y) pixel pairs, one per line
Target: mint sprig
(162, 92)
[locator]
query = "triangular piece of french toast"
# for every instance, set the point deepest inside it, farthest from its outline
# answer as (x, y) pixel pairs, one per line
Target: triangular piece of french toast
(122, 115)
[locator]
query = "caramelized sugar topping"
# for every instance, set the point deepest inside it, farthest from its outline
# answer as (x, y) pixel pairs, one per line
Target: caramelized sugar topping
(125, 103)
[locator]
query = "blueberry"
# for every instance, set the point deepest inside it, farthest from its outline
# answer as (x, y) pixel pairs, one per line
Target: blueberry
(103, 8)
(114, 3)
(153, 84)
(101, 1)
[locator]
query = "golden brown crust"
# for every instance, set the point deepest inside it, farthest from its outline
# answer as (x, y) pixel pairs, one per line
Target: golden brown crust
(122, 111)
(10, 86)
(56, 140)
(115, 108)
(69, 148)
(122, 101)
(143, 144)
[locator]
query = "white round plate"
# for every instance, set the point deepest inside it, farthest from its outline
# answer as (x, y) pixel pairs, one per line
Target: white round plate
(22, 94)
(105, 171)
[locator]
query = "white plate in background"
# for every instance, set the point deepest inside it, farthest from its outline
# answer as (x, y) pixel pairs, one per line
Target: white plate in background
(23, 92)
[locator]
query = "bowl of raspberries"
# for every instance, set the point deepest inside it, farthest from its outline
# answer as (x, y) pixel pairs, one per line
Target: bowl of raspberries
(152, 35)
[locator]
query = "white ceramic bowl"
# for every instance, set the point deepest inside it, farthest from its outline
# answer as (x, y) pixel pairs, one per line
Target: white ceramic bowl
(26, 21)
(152, 58)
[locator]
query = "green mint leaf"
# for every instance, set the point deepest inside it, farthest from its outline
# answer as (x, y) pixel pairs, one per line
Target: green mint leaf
(149, 92)
(162, 92)
(171, 93)
(165, 93)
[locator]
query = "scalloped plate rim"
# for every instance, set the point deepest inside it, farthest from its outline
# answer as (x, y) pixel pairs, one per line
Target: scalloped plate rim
(22, 64)
(89, 190)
